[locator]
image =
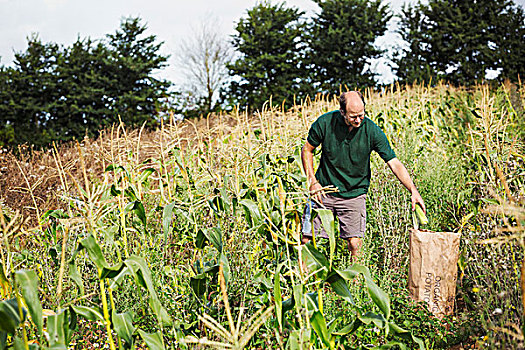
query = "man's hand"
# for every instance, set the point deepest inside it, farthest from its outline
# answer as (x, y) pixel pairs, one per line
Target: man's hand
(316, 191)
(416, 199)
(307, 157)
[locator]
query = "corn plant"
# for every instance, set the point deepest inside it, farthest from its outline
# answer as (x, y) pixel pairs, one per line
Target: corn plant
(156, 214)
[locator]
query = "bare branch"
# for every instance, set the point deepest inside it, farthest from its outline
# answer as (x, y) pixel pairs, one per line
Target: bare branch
(202, 59)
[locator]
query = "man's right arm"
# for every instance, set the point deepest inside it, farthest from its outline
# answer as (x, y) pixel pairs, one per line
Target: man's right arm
(307, 158)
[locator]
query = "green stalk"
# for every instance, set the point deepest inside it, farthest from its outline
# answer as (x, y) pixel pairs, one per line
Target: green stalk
(20, 311)
(112, 302)
(123, 226)
(522, 285)
(6, 244)
(106, 314)
(21, 315)
(62, 262)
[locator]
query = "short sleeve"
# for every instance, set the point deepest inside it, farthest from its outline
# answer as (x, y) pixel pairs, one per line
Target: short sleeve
(315, 134)
(381, 145)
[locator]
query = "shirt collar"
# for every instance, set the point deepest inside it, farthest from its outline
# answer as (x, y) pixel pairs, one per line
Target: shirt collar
(340, 118)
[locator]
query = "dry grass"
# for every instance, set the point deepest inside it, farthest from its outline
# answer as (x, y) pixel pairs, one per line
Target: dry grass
(35, 181)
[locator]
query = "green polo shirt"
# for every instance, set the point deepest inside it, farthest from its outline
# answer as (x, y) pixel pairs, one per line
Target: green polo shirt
(345, 157)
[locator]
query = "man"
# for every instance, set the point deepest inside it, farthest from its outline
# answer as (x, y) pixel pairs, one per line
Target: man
(348, 137)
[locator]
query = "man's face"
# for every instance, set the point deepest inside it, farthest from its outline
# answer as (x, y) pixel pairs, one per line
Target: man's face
(354, 116)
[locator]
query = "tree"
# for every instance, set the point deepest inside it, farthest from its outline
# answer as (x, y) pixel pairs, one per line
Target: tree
(510, 33)
(203, 58)
(31, 89)
(134, 58)
(7, 132)
(410, 61)
(83, 92)
(461, 41)
(268, 41)
(341, 43)
(55, 93)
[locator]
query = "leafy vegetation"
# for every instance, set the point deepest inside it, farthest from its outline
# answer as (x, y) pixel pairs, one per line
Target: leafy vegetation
(342, 43)
(55, 93)
(191, 234)
(270, 46)
(460, 42)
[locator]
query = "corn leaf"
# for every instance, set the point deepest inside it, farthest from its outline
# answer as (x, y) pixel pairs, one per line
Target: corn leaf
(328, 222)
(293, 341)
(317, 258)
(319, 325)
(215, 237)
(198, 284)
(3, 340)
(354, 270)
(348, 274)
(9, 316)
(349, 328)
(117, 280)
(152, 340)
(143, 276)
(88, 313)
(18, 344)
(112, 272)
(277, 296)
(200, 239)
(131, 193)
(113, 167)
(298, 339)
(312, 300)
(28, 281)
(167, 216)
(298, 294)
(58, 330)
(340, 287)
(396, 329)
(73, 270)
(123, 324)
(380, 298)
(252, 211)
(94, 251)
(370, 317)
(145, 174)
(138, 209)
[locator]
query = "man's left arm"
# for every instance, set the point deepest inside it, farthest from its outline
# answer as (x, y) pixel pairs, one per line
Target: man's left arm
(402, 174)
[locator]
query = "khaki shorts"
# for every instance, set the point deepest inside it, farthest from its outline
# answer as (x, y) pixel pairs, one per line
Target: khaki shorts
(350, 212)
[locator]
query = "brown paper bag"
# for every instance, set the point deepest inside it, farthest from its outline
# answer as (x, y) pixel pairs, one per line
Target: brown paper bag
(433, 269)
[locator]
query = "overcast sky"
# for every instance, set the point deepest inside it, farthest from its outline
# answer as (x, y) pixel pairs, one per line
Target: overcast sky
(62, 21)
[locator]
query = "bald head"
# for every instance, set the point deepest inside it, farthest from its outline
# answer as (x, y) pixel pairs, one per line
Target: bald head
(352, 106)
(351, 102)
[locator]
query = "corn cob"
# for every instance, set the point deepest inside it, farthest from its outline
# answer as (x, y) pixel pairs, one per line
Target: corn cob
(421, 215)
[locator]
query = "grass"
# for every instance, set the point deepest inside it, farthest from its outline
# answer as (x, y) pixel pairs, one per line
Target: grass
(225, 193)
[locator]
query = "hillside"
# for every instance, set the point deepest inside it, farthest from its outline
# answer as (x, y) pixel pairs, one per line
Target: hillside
(171, 231)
